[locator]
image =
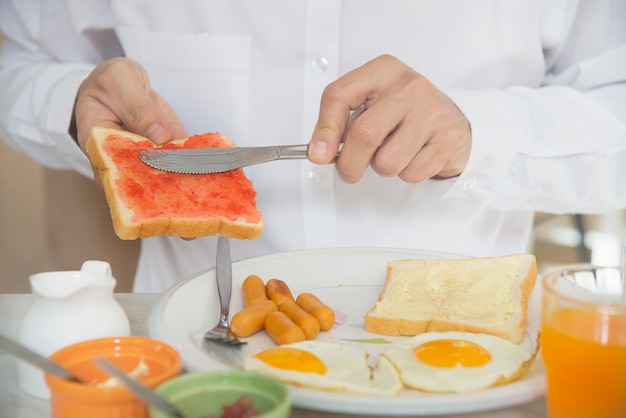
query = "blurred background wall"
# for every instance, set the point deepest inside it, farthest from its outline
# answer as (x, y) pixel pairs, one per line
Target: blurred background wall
(54, 220)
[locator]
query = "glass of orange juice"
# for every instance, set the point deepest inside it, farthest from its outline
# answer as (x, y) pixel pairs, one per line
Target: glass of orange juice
(583, 341)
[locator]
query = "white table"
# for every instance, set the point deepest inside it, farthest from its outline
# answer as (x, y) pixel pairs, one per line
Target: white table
(16, 404)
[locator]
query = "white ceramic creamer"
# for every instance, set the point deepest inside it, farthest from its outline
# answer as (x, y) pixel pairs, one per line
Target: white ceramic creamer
(67, 307)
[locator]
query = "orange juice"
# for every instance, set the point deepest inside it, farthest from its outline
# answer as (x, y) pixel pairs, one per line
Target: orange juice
(585, 357)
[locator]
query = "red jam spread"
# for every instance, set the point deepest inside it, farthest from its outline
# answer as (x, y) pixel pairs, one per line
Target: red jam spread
(156, 193)
(243, 408)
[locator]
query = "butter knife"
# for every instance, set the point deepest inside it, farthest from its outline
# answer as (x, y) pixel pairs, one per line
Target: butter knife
(36, 359)
(217, 160)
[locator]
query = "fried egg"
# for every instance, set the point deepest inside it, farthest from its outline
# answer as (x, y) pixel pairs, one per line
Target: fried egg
(326, 366)
(457, 361)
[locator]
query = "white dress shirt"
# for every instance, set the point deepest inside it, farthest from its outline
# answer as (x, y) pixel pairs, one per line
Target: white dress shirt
(543, 84)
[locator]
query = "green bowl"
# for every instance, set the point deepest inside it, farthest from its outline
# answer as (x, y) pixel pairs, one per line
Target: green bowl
(200, 394)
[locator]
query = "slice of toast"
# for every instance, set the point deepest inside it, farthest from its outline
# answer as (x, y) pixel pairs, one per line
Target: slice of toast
(146, 202)
(482, 295)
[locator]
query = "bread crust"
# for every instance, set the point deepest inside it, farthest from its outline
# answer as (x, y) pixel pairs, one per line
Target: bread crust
(514, 330)
(128, 225)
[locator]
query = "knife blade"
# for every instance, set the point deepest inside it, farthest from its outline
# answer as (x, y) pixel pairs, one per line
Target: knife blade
(217, 160)
(143, 392)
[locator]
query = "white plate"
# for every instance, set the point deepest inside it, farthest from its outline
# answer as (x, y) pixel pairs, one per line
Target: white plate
(349, 280)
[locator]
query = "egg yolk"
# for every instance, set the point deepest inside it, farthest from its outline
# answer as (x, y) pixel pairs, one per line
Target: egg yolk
(449, 353)
(292, 359)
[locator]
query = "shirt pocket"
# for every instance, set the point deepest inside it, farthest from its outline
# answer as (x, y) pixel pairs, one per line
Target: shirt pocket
(204, 77)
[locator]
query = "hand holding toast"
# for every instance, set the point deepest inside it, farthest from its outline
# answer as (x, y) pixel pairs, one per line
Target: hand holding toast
(117, 95)
(394, 119)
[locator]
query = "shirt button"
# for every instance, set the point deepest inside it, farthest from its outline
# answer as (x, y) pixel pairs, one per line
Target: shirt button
(469, 183)
(320, 65)
(315, 177)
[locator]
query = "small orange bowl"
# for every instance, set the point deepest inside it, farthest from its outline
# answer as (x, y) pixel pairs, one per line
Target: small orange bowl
(71, 399)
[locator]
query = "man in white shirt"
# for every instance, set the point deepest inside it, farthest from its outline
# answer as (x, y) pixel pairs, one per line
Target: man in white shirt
(460, 119)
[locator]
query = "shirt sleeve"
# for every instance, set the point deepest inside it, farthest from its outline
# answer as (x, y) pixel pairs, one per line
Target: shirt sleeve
(559, 147)
(47, 51)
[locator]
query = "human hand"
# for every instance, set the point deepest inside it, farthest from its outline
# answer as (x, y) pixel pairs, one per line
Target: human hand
(394, 119)
(117, 95)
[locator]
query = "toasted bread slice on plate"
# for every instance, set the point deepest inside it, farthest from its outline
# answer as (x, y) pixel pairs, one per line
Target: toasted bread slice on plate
(481, 295)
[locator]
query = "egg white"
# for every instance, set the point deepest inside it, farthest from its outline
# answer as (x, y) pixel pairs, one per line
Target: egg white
(347, 370)
(508, 362)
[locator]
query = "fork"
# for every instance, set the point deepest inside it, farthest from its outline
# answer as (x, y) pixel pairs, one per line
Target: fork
(221, 333)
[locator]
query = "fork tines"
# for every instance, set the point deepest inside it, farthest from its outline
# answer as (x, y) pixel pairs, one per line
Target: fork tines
(229, 338)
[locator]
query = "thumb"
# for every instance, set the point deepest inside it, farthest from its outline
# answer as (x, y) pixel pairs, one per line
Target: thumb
(327, 133)
(142, 115)
(155, 119)
(158, 133)
(139, 108)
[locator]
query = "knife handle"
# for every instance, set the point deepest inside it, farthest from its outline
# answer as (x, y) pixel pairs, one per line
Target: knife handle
(291, 152)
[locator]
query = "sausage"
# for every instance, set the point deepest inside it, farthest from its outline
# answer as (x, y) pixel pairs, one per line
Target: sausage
(253, 291)
(282, 330)
(278, 291)
(324, 314)
(251, 319)
(302, 318)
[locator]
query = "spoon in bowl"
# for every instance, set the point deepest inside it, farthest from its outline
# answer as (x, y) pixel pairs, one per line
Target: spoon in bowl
(143, 392)
(37, 359)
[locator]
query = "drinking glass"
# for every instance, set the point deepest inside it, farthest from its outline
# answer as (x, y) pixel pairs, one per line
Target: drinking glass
(583, 341)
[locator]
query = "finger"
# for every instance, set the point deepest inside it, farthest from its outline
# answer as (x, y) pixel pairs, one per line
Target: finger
(447, 148)
(458, 137)
(424, 165)
(379, 136)
(444, 155)
(90, 112)
(135, 107)
(367, 133)
(175, 124)
(396, 153)
(409, 136)
(339, 100)
(333, 116)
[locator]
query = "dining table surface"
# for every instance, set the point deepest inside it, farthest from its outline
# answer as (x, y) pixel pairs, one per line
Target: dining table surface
(14, 403)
